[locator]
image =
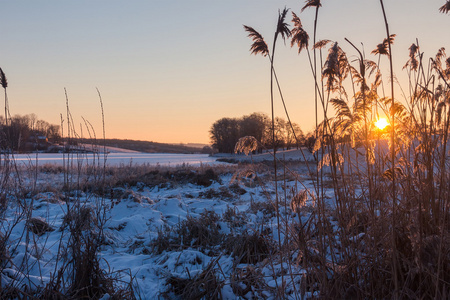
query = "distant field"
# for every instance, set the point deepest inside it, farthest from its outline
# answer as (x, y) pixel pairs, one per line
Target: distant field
(146, 146)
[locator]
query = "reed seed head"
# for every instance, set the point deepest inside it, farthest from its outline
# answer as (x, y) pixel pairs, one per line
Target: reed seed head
(299, 200)
(383, 48)
(299, 35)
(413, 62)
(445, 8)
(312, 3)
(3, 80)
(282, 26)
(259, 46)
(246, 144)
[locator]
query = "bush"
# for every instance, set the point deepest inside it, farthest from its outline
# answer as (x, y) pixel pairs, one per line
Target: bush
(39, 226)
(205, 285)
(249, 248)
(202, 233)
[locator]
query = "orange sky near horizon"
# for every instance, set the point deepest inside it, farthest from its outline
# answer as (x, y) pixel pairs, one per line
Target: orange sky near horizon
(167, 70)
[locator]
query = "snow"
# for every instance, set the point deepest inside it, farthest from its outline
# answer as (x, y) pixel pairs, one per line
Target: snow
(115, 159)
(133, 220)
(302, 154)
(118, 156)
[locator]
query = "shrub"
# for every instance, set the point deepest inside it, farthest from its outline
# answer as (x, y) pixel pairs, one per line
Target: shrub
(205, 285)
(39, 226)
(249, 280)
(249, 248)
(233, 217)
(202, 232)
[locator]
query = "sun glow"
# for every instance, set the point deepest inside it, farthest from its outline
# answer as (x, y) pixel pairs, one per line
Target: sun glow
(381, 123)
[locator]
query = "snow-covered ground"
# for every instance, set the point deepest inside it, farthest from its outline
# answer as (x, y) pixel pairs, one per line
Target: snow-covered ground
(137, 215)
(302, 154)
(117, 158)
(173, 225)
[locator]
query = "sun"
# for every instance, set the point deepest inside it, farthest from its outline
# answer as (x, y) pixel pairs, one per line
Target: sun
(381, 123)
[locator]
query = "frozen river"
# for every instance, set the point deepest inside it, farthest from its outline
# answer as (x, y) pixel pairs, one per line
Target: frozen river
(114, 159)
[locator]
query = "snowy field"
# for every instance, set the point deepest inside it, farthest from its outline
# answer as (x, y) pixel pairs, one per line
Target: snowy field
(174, 226)
(115, 159)
(166, 226)
(118, 157)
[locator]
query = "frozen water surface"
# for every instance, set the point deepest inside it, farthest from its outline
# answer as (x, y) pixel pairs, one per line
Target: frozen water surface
(113, 159)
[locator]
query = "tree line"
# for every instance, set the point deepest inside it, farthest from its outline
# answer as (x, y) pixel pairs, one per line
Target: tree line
(27, 133)
(225, 133)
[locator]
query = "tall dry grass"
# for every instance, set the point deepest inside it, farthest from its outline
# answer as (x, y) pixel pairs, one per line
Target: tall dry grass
(389, 231)
(78, 271)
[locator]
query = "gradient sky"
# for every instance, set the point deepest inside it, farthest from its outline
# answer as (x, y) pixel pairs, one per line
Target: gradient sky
(168, 69)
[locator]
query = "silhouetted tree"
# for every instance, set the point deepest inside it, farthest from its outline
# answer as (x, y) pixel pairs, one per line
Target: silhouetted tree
(292, 140)
(25, 133)
(225, 134)
(310, 140)
(255, 125)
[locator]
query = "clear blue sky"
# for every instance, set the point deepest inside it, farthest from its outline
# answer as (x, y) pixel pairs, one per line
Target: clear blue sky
(168, 69)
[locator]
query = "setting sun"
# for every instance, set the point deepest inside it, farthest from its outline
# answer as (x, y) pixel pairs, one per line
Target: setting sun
(381, 123)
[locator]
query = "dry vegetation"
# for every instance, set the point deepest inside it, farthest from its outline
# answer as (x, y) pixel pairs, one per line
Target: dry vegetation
(390, 233)
(371, 219)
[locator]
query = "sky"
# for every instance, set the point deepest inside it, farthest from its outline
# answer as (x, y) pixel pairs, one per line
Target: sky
(168, 69)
